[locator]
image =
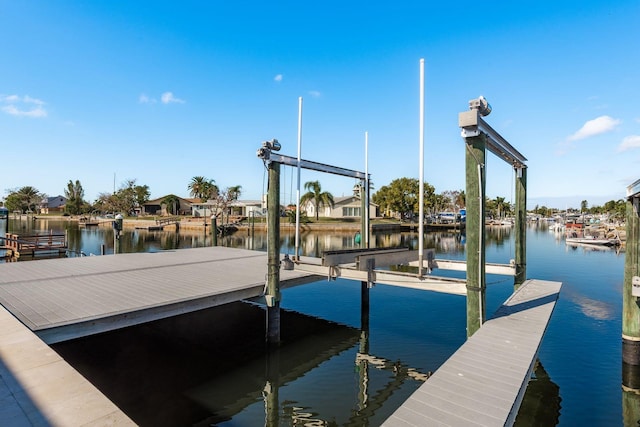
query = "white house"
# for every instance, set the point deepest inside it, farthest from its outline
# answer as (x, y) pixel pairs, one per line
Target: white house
(237, 208)
(343, 207)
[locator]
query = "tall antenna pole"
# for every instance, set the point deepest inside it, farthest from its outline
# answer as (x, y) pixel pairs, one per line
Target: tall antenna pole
(365, 190)
(297, 244)
(421, 183)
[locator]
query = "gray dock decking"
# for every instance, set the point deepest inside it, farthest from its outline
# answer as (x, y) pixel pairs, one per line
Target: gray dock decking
(483, 383)
(61, 299)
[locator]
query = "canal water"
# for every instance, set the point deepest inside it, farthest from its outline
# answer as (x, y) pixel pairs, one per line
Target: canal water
(210, 368)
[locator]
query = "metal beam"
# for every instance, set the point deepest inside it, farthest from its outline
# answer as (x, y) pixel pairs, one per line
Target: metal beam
(315, 166)
(473, 124)
(454, 265)
(393, 278)
(633, 190)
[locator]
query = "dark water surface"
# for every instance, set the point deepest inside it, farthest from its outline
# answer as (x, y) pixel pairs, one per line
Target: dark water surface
(211, 367)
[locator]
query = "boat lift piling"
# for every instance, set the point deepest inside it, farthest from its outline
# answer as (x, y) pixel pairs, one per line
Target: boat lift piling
(273, 160)
(480, 137)
(631, 294)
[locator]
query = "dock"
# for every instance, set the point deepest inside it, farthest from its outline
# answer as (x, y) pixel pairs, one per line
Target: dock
(62, 299)
(41, 244)
(483, 383)
(55, 300)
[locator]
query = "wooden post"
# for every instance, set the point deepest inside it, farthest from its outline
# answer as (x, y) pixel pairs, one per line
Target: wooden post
(273, 255)
(271, 391)
(630, 308)
(475, 191)
(214, 231)
(521, 227)
(363, 216)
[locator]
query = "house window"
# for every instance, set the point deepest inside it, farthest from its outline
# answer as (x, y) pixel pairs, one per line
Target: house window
(350, 211)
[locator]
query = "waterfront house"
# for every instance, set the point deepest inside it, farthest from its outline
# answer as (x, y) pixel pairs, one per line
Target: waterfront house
(237, 209)
(343, 208)
(159, 206)
(53, 204)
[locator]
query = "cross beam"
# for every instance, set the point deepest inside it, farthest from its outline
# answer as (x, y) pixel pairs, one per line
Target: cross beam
(473, 124)
(320, 167)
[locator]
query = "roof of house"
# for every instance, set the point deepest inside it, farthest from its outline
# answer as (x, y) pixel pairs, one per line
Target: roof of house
(160, 200)
(56, 201)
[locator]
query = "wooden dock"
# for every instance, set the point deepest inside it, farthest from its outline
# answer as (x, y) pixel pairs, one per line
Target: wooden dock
(61, 299)
(41, 244)
(483, 383)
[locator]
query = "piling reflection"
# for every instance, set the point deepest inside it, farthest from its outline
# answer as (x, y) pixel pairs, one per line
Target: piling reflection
(630, 394)
(203, 368)
(541, 403)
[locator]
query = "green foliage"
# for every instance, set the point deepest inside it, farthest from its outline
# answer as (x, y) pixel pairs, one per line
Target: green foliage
(173, 204)
(129, 197)
(203, 188)
(401, 196)
(75, 198)
(24, 199)
(316, 196)
(498, 207)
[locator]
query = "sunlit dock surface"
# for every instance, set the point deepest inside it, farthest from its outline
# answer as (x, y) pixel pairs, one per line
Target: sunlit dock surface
(62, 299)
(483, 383)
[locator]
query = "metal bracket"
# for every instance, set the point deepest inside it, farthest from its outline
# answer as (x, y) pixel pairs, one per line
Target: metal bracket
(470, 133)
(635, 286)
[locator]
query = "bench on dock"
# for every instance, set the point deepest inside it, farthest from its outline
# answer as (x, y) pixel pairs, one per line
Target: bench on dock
(484, 382)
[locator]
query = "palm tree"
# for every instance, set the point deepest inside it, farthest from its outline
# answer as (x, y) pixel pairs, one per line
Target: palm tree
(235, 192)
(29, 197)
(500, 205)
(316, 196)
(75, 197)
(202, 188)
(172, 201)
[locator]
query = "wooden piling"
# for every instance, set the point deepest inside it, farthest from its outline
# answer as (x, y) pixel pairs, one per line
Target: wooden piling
(214, 231)
(521, 226)
(273, 255)
(475, 198)
(630, 307)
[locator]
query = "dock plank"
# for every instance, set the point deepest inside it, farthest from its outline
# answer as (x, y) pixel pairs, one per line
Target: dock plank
(66, 298)
(484, 381)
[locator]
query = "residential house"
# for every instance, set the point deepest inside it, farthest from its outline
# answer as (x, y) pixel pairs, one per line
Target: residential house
(53, 204)
(343, 208)
(236, 209)
(159, 206)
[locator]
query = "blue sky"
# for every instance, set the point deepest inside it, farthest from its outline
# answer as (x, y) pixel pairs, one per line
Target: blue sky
(162, 91)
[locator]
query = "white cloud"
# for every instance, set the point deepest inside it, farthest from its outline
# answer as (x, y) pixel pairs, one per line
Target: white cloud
(596, 126)
(278, 78)
(629, 142)
(25, 106)
(144, 99)
(315, 93)
(168, 98)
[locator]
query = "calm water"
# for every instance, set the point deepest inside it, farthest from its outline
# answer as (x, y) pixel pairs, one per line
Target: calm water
(210, 368)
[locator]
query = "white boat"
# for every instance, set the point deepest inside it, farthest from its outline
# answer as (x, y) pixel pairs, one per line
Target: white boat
(556, 228)
(592, 240)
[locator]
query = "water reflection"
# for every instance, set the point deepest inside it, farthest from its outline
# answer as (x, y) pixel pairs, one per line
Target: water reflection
(541, 403)
(99, 240)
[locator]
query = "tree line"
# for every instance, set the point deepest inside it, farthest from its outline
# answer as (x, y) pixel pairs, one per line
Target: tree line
(127, 199)
(400, 198)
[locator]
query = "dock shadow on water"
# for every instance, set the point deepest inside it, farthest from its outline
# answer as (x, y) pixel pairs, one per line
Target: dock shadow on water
(203, 368)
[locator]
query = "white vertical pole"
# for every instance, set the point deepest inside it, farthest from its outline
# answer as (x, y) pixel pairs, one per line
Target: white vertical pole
(365, 191)
(297, 248)
(421, 182)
